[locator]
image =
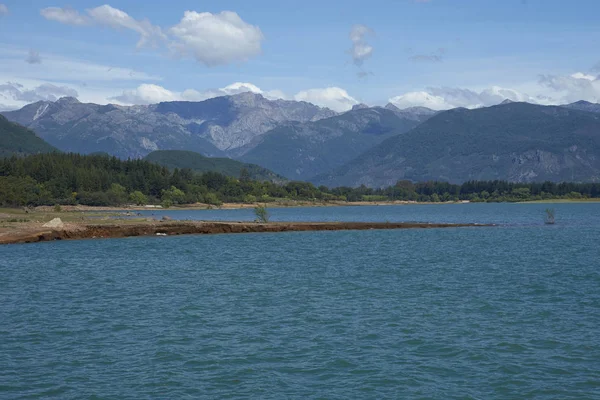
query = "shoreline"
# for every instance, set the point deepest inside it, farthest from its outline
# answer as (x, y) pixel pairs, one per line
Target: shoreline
(231, 206)
(290, 204)
(78, 231)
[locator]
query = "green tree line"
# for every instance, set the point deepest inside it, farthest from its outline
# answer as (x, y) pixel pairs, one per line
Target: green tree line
(100, 180)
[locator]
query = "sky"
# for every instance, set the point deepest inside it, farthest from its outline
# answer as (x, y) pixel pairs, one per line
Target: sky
(435, 53)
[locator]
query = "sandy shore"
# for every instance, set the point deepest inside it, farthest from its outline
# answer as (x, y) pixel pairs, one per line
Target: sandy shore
(31, 233)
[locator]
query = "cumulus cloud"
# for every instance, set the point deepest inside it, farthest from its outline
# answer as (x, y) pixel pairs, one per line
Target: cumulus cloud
(146, 93)
(549, 89)
(571, 88)
(3, 9)
(151, 94)
(33, 57)
(361, 49)
(443, 98)
(212, 39)
(334, 98)
(46, 91)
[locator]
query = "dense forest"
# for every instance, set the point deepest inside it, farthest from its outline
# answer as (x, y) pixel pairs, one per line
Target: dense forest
(100, 180)
(198, 163)
(18, 140)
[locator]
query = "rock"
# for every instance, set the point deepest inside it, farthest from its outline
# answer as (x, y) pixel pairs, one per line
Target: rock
(166, 218)
(55, 223)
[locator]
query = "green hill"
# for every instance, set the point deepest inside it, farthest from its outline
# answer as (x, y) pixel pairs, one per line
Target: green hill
(517, 142)
(18, 140)
(197, 162)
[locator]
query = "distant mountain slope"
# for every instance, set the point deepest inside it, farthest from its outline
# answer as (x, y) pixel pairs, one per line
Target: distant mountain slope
(300, 151)
(583, 105)
(18, 140)
(188, 159)
(211, 127)
(416, 113)
(518, 142)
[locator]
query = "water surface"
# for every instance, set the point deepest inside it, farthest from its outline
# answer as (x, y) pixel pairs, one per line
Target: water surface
(474, 313)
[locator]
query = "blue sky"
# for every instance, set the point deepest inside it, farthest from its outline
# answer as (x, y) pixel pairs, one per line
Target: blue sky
(436, 53)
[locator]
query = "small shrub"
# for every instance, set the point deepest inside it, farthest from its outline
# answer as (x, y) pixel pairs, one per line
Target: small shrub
(262, 215)
(211, 198)
(57, 208)
(138, 198)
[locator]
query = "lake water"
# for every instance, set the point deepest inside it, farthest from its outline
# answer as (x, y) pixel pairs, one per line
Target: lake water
(508, 312)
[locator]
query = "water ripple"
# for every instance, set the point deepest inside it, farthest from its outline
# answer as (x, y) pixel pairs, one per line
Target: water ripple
(467, 314)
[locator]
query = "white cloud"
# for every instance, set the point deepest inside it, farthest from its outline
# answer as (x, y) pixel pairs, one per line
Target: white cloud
(147, 93)
(33, 57)
(67, 16)
(151, 94)
(117, 19)
(334, 98)
(360, 50)
(3, 9)
(241, 87)
(421, 99)
(571, 88)
(581, 75)
(106, 15)
(16, 92)
(443, 98)
(215, 39)
(212, 39)
(549, 89)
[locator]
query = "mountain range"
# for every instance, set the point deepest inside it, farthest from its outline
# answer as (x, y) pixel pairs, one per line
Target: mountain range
(374, 146)
(518, 142)
(211, 127)
(303, 150)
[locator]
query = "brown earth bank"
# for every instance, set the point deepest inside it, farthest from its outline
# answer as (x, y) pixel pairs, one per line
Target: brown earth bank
(31, 233)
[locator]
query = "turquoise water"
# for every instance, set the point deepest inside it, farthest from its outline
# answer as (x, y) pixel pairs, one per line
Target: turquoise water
(509, 312)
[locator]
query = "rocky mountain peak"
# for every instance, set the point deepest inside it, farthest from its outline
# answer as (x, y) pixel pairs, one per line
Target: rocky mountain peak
(391, 107)
(360, 106)
(67, 100)
(247, 99)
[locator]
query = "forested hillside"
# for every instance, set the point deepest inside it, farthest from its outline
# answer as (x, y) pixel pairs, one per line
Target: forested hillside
(55, 178)
(18, 140)
(198, 163)
(517, 142)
